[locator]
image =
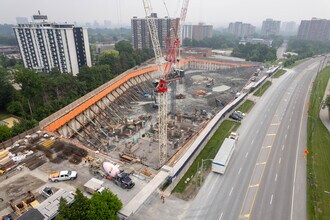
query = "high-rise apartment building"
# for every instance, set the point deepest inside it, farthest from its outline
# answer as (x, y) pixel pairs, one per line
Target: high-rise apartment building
(197, 32)
(44, 45)
(314, 30)
(289, 28)
(240, 29)
(140, 31)
(270, 27)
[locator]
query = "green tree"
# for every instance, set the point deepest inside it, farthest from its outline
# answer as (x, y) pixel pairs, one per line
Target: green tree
(100, 206)
(111, 58)
(5, 133)
(23, 125)
(31, 85)
(104, 206)
(6, 89)
(327, 103)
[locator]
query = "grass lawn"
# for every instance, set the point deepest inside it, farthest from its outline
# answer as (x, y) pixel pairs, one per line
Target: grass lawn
(318, 159)
(4, 115)
(246, 106)
(262, 89)
(209, 152)
(279, 73)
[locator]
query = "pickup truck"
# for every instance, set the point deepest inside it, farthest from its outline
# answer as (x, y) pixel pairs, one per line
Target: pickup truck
(62, 175)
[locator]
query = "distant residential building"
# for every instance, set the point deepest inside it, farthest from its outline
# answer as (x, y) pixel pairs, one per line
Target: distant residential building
(256, 41)
(270, 27)
(197, 32)
(22, 20)
(140, 31)
(314, 30)
(44, 45)
(289, 28)
(240, 29)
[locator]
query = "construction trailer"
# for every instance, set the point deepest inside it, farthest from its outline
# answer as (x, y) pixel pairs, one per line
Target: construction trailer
(221, 160)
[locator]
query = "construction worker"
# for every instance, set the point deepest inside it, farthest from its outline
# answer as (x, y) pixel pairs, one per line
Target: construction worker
(162, 197)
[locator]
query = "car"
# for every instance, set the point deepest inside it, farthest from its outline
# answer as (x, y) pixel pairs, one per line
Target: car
(240, 113)
(235, 117)
(62, 175)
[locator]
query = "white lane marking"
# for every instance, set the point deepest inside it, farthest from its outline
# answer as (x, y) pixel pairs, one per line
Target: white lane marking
(258, 131)
(294, 107)
(288, 127)
(295, 166)
(276, 177)
(286, 136)
(239, 171)
(221, 216)
(265, 116)
(246, 154)
(292, 113)
(271, 200)
(279, 161)
(252, 141)
(231, 190)
(283, 147)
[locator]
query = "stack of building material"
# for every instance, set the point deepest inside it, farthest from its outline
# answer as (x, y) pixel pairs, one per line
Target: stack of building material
(48, 143)
(5, 161)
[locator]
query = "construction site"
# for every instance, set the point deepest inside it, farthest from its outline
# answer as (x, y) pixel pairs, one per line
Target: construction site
(135, 133)
(128, 130)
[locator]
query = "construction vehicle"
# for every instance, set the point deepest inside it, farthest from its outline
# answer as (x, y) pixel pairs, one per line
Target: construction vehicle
(94, 185)
(120, 177)
(168, 72)
(123, 180)
(221, 160)
(62, 175)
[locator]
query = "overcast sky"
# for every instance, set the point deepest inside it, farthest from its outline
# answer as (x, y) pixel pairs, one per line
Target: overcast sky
(119, 12)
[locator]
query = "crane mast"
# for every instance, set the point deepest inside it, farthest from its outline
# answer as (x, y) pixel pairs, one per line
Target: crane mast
(166, 70)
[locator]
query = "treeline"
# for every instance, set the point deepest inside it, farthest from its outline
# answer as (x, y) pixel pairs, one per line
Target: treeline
(105, 35)
(7, 36)
(255, 52)
(306, 48)
(216, 42)
(42, 94)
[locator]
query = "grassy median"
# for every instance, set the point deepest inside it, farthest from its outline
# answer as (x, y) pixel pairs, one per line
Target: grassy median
(210, 150)
(318, 159)
(279, 73)
(246, 106)
(262, 89)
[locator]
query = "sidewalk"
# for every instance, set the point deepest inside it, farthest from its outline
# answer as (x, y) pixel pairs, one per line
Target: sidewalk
(324, 115)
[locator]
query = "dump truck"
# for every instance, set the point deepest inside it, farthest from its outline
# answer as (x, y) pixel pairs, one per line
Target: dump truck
(62, 175)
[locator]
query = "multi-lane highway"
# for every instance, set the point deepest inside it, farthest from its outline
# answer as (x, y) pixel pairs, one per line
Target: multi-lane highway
(266, 176)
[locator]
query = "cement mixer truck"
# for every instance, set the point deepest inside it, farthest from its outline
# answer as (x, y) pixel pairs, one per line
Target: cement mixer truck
(120, 178)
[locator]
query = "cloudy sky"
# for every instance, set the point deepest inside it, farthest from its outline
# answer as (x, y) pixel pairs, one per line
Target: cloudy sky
(119, 12)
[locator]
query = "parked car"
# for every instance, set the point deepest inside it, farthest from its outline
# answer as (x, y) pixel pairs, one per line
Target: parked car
(235, 116)
(62, 175)
(241, 114)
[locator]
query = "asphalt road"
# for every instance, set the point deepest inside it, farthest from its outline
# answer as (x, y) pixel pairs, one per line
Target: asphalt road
(268, 163)
(281, 50)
